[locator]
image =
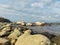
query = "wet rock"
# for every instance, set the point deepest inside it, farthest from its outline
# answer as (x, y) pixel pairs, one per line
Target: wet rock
(50, 36)
(28, 39)
(4, 41)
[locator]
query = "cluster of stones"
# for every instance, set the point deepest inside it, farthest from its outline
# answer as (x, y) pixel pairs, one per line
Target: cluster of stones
(31, 24)
(17, 34)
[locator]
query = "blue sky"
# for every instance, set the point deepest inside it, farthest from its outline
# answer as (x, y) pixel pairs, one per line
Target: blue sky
(30, 10)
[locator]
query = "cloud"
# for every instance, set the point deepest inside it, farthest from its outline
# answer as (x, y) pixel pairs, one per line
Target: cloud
(48, 18)
(40, 4)
(46, 1)
(57, 15)
(34, 9)
(4, 6)
(55, 4)
(5, 9)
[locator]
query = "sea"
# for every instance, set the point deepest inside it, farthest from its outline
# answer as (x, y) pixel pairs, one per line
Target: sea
(53, 29)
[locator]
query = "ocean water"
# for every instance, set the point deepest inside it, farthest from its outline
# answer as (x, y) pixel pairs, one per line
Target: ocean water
(53, 29)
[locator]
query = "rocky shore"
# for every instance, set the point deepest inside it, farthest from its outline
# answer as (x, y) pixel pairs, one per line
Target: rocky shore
(18, 33)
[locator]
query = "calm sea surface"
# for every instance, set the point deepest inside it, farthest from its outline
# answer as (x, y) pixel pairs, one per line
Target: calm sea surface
(54, 29)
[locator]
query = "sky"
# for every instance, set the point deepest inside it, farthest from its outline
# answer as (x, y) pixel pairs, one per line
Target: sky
(30, 10)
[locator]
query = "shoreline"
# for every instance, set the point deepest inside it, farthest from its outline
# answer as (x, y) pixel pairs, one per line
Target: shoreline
(10, 31)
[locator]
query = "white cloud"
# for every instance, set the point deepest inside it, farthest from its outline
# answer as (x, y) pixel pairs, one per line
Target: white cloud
(46, 17)
(46, 1)
(57, 15)
(4, 6)
(4, 9)
(55, 5)
(36, 4)
(40, 4)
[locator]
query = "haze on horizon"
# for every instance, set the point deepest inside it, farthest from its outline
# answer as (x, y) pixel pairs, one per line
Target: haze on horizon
(30, 10)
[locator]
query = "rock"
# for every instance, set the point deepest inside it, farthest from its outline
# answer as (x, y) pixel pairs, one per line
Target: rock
(39, 23)
(4, 41)
(8, 24)
(3, 33)
(28, 39)
(54, 44)
(13, 42)
(6, 29)
(56, 40)
(21, 23)
(15, 34)
(4, 20)
(29, 24)
(49, 35)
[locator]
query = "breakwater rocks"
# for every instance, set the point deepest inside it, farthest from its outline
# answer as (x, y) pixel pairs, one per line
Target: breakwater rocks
(18, 33)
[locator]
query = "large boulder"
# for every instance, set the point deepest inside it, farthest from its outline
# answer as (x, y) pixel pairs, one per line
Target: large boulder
(4, 41)
(28, 39)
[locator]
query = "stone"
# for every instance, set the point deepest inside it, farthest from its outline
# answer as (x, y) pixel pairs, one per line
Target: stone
(39, 23)
(56, 40)
(29, 24)
(4, 20)
(15, 34)
(21, 23)
(6, 29)
(28, 39)
(3, 33)
(13, 42)
(4, 41)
